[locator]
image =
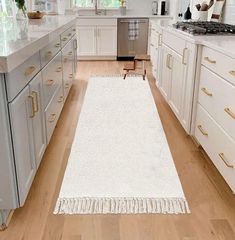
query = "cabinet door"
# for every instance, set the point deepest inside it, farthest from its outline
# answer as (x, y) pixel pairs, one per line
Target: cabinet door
(107, 41)
(39, 133)
(164, 84)
(176, 83)
(87, 41)
(21, 113)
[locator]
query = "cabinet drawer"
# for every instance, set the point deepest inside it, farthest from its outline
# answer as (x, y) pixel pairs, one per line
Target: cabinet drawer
(17, 79)
(174, 42)
(47, 53)
(217, 96)
(219, 63)
(218, 145)
(53, 111)
(67, 35)
(52, 78)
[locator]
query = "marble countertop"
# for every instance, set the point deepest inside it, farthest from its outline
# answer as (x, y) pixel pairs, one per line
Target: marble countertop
(21, 39)
(221, 43)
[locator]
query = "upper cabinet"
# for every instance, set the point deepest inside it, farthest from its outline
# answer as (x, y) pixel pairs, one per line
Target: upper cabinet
(97, 38)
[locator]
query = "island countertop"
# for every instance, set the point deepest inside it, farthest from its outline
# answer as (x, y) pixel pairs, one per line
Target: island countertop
(21, 39)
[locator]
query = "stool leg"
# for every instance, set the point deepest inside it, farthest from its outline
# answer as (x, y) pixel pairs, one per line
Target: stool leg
(144, 71)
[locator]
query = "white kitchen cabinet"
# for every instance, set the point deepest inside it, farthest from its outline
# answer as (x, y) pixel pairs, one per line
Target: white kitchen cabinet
(39, 132)
(106, 41)
(68, 68)
(86, 40)
(97, 39)
(176, 88)
(177, 64)
(21, 113)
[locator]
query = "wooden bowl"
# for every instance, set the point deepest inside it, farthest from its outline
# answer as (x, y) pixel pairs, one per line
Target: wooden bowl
(35, 15)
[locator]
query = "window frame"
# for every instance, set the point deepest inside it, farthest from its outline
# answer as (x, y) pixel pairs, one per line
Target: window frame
(93, 7)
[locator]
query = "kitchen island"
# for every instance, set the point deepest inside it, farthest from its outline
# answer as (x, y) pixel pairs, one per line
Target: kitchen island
(38, 62)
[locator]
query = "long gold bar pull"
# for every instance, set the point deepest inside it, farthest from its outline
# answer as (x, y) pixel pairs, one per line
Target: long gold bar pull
(36, 105)
(32, 103)
(227, 163)
(230, 113)
(202, 130)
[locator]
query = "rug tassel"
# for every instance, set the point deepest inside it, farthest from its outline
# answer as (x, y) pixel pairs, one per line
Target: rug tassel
(121, 205)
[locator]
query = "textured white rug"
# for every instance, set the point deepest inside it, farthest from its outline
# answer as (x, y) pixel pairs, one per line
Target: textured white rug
(120, 161)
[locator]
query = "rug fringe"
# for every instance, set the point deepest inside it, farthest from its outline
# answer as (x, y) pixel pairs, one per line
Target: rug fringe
(121, 206)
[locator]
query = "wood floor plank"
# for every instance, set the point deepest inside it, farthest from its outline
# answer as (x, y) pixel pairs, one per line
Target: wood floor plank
(211, 202)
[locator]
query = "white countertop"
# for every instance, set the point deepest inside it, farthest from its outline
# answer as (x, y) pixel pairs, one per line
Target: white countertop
(21, 39)
(221, 43)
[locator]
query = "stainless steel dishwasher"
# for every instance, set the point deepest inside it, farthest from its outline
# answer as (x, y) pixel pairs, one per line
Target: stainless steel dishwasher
(129, 48)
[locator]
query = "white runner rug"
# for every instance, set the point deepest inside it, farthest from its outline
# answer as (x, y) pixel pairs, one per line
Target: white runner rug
(120, 161)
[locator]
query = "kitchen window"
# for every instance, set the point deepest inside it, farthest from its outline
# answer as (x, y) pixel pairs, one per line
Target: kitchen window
(6, 8)
(100, 3)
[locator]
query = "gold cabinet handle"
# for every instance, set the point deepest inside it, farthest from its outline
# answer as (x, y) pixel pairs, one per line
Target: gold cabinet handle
(227, 163)
(74, 29)
(59, 69)
(169, 56)
(64, 39)
(206, 92)
(36, 105)
(32, 115)
(50, 82)
(71, 75)
(232, 73)
(202, 130)
(70, 53)
(209, 60)
(52, 118)
(184, 56)
(229, 112)
(57, 45)
(29, 70)
(61, 99)
(70, 34)
(67, 85)
(160, 40)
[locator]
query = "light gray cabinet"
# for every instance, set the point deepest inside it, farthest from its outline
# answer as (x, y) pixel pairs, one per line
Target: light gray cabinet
(21, 113)
(39, 133)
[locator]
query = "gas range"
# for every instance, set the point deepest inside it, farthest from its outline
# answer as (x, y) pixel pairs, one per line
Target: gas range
(205, 28)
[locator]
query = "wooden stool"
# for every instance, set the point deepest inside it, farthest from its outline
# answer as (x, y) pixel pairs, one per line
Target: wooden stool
(133, 65)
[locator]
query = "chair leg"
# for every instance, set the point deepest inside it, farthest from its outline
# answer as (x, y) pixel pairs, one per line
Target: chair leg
(124, 77)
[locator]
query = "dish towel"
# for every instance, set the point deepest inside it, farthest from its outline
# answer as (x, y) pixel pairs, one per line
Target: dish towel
(133, 30)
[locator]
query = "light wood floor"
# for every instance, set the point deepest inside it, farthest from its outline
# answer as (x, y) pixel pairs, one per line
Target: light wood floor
(211, 202)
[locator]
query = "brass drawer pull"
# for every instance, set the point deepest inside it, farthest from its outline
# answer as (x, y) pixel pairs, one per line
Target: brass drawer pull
(57, 45)
(64, 39)
(70, 75)
(61, 99)
(159, 40)
(29, 70)
(232, 73)
(50, 82)
(70, 53)
(52, 118)
(206, 92)
(229, 112)
(74, 29)
(202, 130)
(222, 156)
(67, 85)
(36, 105)
(32, 103)
(184, 56)
(59, 69)
(209, 60)
(168, 61)
(70, 34)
